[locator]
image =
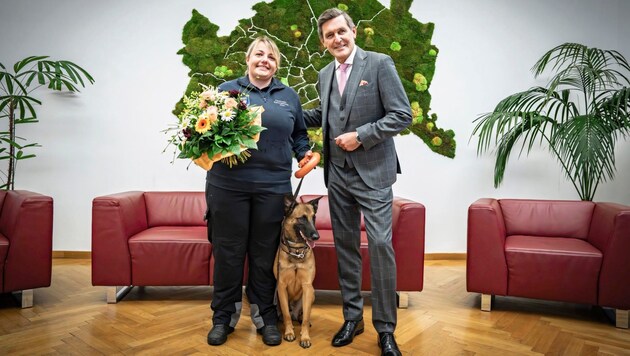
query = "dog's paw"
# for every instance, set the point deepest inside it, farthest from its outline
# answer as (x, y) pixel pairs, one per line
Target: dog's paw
(305, 343)
(289, 336)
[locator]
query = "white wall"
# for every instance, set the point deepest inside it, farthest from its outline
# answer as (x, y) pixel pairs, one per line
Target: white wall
(107, 138)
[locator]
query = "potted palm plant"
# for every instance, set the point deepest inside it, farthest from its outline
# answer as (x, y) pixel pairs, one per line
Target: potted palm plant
(17, 105)
(578, 116)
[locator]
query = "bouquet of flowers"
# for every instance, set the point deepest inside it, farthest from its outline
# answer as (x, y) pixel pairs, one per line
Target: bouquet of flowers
(217, 126)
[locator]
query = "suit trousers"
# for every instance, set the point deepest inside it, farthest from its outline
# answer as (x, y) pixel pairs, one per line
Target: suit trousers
(244, 224)
(348, 197)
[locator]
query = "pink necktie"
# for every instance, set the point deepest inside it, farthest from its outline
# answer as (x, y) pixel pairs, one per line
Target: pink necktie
(343, 76)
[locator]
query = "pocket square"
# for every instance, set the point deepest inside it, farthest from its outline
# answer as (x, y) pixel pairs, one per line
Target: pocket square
(363, 82)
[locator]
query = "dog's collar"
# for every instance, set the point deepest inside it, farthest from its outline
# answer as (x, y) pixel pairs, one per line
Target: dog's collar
(297, 252)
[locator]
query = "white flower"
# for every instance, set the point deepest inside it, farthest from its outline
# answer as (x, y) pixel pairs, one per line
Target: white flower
(185, 122)
(227, 115)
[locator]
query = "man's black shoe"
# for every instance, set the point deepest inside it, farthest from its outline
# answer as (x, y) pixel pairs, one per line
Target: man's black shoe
(270, 334)
(219, 333)
(388, 344)
(348, 331)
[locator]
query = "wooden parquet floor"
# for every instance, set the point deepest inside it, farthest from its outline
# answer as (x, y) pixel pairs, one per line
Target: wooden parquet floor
(72, 318)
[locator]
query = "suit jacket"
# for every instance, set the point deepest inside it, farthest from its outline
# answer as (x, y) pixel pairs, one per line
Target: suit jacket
(376, 106)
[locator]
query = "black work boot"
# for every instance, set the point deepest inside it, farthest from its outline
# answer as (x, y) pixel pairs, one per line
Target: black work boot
(270, 334)
(219, 333)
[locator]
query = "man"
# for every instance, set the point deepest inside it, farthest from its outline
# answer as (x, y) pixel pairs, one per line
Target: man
(363, 105)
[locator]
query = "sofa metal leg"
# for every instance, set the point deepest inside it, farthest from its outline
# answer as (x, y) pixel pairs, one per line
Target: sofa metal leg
(621, 318)
(402, 300)
(24, 297)
(486, 302)
(114, 295)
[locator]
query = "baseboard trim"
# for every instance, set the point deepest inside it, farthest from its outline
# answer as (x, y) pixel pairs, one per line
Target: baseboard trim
(72, 254)
(428, 256)
(445, 256)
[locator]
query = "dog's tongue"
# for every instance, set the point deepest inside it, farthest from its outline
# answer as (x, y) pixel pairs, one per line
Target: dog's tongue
(310, 243)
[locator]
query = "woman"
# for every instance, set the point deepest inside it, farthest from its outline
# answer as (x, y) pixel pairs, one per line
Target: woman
(245, 202)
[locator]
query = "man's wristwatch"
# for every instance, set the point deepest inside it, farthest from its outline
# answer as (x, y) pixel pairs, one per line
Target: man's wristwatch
(358, 138)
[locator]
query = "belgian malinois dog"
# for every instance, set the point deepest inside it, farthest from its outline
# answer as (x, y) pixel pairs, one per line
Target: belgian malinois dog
(294, 267)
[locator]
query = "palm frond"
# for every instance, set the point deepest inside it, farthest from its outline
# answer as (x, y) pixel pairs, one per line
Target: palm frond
(58, 74)
(614, 107)
(558, 56)
(23, 63)
(514, 109)
(586, 143)
(583, 68)
(531, 125)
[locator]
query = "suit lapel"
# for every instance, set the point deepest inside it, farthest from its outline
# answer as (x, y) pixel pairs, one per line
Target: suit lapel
(327, 76)
(355, 75)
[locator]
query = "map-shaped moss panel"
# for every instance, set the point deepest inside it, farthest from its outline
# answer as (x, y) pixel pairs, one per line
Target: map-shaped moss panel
(292, 24)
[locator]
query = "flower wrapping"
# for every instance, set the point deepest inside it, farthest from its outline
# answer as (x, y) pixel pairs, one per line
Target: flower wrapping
(217, 126)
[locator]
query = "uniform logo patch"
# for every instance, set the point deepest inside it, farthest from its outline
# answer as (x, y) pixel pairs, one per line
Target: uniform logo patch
(280, 102)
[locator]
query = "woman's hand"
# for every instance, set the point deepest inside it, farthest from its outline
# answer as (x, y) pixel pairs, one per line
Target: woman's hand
(306, 158)
(310, 160)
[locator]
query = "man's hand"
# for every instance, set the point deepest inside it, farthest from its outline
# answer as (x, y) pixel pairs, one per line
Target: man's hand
(347, 141)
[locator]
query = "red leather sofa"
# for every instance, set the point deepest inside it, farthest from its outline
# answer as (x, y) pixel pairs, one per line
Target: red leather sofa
(160, 239)
(570, 251)
(26, 222)
(149, 239)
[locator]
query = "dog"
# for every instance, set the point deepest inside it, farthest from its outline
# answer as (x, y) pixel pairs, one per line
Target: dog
(294, 267)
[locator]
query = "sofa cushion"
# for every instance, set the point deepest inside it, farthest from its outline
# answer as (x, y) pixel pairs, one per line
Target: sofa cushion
(171, 255)
(547, 217)
(175, 208)
(553, 268)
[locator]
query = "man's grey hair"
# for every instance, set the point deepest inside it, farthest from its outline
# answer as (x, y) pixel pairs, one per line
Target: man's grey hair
(329, 15)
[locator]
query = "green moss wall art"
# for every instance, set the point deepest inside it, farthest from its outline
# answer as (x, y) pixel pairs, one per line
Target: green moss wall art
(293, 26)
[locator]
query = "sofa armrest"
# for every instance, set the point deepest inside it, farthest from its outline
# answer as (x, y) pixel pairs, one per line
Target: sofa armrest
(408, 228)
(27, 222)
(115, 218)
(486, 266)
(610, 233)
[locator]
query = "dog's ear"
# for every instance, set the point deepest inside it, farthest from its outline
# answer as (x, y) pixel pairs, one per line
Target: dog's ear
(315, 202)
(289, 203)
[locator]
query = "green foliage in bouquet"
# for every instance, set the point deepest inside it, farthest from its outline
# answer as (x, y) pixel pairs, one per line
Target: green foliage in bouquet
(18, 106)
(293, 26)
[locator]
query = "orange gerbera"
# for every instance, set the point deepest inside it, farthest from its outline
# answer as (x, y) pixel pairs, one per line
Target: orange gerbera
(202, 125)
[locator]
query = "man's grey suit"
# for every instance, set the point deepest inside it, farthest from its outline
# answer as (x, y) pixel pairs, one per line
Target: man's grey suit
(375, 105)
